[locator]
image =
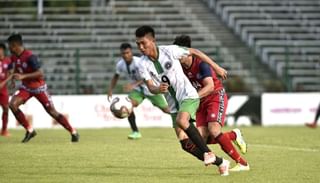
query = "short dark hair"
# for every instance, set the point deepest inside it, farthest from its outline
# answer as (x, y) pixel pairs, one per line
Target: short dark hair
(15, 38)
(183, 40)
(3, 46)
(144, 30)
(125, 46)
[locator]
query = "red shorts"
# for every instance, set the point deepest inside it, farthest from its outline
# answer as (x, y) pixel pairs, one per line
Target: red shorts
(212, 109)
(4, 98)
(43, 97)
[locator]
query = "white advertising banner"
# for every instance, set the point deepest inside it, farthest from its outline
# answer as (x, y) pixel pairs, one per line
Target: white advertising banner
(289, 108)
(89, 111)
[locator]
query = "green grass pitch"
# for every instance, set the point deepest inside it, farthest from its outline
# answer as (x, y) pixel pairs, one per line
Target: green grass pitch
(275, 154)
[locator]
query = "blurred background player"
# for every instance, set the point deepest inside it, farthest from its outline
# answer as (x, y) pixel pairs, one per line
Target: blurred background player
(26, 68)
(314, 124)
(128, 66)
(162, 72)
(4, 96)
(213, 105)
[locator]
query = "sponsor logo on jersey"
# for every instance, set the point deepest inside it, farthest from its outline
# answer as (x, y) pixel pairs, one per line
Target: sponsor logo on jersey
(168, 65)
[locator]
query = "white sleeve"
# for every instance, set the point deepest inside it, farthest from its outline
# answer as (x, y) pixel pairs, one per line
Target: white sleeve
(118, 68)
(177, 51)
(143, 72)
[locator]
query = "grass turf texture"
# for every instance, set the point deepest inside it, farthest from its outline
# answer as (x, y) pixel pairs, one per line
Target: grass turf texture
(280, 154)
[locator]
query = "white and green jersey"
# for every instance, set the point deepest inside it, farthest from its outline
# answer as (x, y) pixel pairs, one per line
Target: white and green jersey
(167, 68)
(132, 73)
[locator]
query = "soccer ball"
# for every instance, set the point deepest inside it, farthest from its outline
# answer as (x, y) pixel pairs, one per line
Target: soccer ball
(121, 107)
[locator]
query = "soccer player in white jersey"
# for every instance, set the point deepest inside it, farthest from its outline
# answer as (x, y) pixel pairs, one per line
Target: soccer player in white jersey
(162, 72)
(128, 67)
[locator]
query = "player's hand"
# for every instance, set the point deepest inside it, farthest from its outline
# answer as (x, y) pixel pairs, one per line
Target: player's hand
(222, 73)
(9, 76)
(4, 83)
(163, 88)
(128, 87)
(18, 76)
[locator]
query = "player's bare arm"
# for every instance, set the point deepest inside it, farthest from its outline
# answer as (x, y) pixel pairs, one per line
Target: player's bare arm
(3, 83)
(130, 86)
(208, 87)
(219, 70)
(9, 79)
(113, 83)
(33, 75)
(163, 88)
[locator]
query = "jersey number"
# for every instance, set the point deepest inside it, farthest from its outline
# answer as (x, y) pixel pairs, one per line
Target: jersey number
(165, 79)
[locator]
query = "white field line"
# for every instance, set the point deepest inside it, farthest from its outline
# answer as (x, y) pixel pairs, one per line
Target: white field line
(288, 148)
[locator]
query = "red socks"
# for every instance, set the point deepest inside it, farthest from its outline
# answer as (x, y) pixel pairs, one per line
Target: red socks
(227, 147)
(4, 121)
(64, 122)
(22, 119)
(231, 134)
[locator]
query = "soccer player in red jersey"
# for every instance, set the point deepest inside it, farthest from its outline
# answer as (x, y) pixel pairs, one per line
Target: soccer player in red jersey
(213, 104)
(26, 68)
(4, 96)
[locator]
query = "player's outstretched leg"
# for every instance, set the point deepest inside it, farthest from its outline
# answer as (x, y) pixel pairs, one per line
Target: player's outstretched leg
(188, 146)
(195, 137)
(235, 136)
(135, 131)
(62, 120)
(4, 131)
(30, 132)
(226, 145)
(15, 102)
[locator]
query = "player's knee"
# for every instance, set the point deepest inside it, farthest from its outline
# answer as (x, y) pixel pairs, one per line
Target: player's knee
(166, 110)
(215, 128)
(216, 133)
(52, 112)
(14, 106)
(134, 103)
(182, 123)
